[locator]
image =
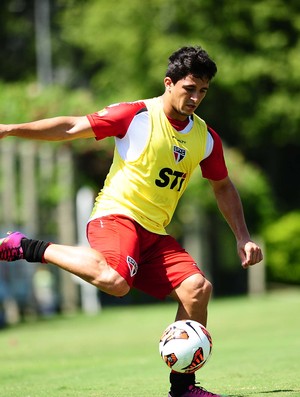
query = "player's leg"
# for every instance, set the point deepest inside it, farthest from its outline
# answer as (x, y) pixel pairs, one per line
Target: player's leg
(88, 264)
(85, 262)
(166, 269)
(193, 295)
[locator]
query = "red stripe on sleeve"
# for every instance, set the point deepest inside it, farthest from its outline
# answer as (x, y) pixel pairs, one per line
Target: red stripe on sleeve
(214, 166)
(114, 120)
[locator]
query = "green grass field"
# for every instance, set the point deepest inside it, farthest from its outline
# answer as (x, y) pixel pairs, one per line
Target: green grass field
(256, 351)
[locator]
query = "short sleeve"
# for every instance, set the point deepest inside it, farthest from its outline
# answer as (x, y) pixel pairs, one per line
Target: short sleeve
(114, 120)
(214, 166)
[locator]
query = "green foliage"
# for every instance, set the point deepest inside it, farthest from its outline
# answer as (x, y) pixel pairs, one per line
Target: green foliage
(22, 102)
(17, 40)
(25, 102)
(252, 184)
(119, 52)
(261, 69)
(117, 44)
(253, 101)
(254, 43)
(282, 239)
(254, 188)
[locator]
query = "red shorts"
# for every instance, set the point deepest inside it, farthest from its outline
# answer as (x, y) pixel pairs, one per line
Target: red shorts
(152, 263)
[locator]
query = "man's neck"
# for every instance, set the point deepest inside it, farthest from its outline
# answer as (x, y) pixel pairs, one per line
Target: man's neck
(178, 124)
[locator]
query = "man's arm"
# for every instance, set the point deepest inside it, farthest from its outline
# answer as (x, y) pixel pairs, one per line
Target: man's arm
(230, 205)
(63, 128)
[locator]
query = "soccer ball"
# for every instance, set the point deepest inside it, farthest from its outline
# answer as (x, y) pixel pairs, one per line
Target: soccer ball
(185, 346)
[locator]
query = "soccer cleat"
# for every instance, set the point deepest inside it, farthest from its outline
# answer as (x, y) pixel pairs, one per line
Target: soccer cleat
(194, 391)
(10, 247)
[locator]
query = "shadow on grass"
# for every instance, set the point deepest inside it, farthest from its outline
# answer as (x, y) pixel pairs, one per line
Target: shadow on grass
(266, 392)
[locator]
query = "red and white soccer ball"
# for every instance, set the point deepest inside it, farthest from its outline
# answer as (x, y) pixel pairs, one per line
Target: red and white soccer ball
(185, 346)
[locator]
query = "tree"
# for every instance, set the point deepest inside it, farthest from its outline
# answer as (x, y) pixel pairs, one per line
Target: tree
(17, 40)
(119, 53)
(255, 96)
(283, 240)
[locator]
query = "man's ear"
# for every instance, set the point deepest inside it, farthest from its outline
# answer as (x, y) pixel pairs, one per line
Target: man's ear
(168, 83)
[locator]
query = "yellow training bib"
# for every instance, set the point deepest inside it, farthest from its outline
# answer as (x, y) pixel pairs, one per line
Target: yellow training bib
(148, 188)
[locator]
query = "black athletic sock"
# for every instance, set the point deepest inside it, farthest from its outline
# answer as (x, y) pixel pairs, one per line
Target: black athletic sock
(33, 250)
(181, 382)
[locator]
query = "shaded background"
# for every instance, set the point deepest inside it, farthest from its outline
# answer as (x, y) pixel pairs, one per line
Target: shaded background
(74, 57)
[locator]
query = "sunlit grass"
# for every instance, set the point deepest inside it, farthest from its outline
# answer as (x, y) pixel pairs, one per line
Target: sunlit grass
(115, 354)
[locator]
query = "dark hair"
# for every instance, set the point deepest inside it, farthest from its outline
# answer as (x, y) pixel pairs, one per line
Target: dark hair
(190, 60)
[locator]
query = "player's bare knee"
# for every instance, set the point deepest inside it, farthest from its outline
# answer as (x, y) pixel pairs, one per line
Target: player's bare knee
(207, 287)
(204, 289)
(110, 282)
(199, 287)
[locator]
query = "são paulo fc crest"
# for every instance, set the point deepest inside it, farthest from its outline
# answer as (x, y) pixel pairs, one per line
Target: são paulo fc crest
(133, 266)
(179, 154)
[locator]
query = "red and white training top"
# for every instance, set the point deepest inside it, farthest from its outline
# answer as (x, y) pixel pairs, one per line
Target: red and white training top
(129, 125)
(153, 160)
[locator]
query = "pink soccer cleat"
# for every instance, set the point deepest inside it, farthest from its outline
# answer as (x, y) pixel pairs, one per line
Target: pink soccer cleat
(195, 391)
(10, 247)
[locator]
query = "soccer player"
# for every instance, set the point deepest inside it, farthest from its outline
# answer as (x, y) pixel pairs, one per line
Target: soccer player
(158, 144)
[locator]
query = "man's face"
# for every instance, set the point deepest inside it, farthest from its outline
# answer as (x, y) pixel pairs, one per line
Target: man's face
(182, 99)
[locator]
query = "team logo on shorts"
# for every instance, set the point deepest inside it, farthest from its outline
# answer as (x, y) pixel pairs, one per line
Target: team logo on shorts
(179, 153)
(133, 266)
